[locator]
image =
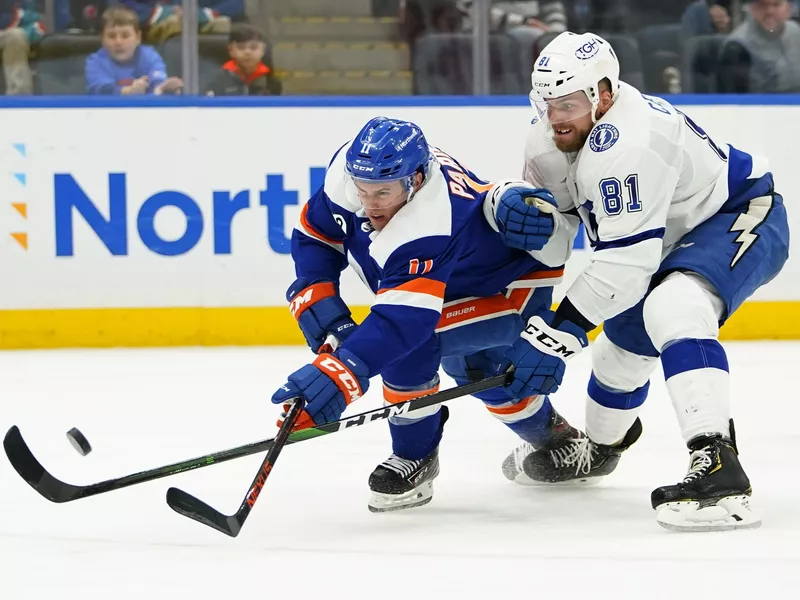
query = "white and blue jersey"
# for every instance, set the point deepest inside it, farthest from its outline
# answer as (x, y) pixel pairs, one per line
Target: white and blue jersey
(656, 194)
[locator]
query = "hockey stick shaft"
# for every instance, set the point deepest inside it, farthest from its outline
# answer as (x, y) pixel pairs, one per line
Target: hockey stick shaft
(193, 508)
(31, 470)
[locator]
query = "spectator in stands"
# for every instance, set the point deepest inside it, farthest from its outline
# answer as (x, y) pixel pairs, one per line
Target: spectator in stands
(162, 19)
(706, 17)
(762, 55)
(542, 16)
(19, 29)
(609, 16)
(245, 74)
(123, 65)
(645, 13)
(78, 16)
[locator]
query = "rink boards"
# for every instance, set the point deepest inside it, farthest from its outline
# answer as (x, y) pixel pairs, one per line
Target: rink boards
(168, 222)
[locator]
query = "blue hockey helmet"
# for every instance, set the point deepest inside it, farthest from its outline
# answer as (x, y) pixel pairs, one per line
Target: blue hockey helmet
(387, 150)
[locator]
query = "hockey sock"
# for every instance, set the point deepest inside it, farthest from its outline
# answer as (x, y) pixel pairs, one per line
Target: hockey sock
(529, 418)
(415, 439)
(699, 385)
(610, 413)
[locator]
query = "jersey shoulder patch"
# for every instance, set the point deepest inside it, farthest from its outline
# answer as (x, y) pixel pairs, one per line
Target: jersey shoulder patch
(603, 137)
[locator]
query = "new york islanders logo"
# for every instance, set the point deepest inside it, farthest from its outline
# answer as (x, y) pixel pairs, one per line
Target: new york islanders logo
(603, 137)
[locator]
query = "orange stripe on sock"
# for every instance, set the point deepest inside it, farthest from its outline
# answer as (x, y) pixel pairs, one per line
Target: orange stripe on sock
(514, 408)
(396, 397)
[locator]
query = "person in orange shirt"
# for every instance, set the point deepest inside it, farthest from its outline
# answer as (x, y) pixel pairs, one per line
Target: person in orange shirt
(245, 74)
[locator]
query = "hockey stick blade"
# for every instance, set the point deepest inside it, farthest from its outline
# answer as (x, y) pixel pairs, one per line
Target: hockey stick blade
(194, 508)
(40, 479)
(190, 506)
(55, 490)
(32, 471)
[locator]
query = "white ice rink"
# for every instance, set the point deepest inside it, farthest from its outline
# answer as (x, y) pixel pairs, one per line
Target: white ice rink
(311, 536)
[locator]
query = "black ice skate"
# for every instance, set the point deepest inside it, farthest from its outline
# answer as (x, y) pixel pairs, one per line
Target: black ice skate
(714, 495)
(572, 458)
(399, 483)
(559, 431)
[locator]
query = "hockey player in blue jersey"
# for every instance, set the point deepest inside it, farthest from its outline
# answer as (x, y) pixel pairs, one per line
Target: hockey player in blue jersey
(411, 221)
(683, 231)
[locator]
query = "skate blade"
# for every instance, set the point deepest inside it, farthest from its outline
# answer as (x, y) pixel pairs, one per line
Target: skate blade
(523, 479)
(727, 514)
(419, 496)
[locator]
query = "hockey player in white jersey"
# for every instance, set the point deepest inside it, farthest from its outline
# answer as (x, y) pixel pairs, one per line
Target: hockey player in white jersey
(683, 230)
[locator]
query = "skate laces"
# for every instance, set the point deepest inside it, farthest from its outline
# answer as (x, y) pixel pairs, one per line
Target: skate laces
(520, 452)
(580, 453)
(700, 462)
(401, 466)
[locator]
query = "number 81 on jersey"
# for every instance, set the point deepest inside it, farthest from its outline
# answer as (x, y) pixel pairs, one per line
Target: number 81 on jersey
(611, 193)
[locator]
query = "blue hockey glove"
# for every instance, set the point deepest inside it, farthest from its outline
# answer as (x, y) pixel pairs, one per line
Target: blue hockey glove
(523, 216)
(328, 385)
(539, 355)
(320, 312)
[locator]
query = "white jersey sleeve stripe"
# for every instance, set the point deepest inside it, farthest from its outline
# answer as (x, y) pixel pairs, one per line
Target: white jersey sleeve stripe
(650, 234)
(413, 299)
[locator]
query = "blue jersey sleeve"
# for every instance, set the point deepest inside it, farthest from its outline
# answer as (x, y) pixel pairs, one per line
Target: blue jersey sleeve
(318, 241)
(100, 76)
(408, 305)
(152, 65)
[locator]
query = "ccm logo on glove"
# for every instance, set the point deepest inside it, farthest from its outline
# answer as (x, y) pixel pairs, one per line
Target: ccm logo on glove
(309, 296)
(549, 340)
(341, 375)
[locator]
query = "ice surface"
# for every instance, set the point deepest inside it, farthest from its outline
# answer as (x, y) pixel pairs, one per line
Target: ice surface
(311, 535)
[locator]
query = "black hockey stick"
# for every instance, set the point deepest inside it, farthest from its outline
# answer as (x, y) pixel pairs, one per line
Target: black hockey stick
(194, 508)
(55, 490)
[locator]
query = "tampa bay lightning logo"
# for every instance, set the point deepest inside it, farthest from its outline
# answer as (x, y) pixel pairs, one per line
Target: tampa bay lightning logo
(603, 137)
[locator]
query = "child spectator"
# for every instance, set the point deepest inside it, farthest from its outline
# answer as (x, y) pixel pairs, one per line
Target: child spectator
(162, 19)
(20, 27)
(245, 74)
(123, 66)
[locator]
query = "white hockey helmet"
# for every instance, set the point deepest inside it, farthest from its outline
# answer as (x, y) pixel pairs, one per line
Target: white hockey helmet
(571, 63)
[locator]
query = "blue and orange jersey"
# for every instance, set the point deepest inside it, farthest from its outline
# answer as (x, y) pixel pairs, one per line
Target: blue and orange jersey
(437, 250)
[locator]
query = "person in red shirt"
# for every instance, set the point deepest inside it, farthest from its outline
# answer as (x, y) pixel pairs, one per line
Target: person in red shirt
(245, 74)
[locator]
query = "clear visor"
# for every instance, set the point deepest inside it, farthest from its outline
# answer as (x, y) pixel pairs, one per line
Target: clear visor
(563, 112)
(377, 197)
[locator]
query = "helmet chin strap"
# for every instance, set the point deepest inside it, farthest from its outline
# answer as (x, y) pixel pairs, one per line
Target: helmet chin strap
(595, 104)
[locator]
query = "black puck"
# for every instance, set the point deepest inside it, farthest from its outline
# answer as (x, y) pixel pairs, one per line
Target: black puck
(79, 441)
